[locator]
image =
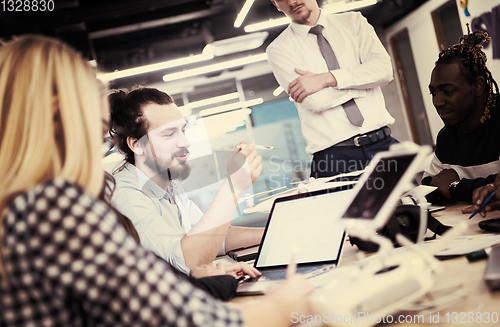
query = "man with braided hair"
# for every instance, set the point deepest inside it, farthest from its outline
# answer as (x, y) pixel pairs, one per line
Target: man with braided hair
(465, 96)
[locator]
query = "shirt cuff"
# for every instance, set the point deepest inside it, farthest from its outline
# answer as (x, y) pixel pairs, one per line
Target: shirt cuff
(176, 258)
(343, 77)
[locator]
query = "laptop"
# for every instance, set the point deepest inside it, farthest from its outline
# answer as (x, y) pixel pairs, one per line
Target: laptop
(307, 224)
(366, 207)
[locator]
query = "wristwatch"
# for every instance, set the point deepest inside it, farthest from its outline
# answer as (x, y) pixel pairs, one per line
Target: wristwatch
(452, 187)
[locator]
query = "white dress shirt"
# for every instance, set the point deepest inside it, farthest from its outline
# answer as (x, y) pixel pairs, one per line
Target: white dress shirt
(365, 66)
(159, 223)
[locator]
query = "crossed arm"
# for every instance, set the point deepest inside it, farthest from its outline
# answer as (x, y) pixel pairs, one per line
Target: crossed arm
(322, 91)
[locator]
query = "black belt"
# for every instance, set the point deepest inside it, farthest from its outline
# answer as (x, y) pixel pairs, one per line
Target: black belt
(367, 138)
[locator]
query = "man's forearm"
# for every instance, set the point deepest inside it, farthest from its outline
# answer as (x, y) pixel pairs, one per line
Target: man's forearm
(239, 237)
(330, 80)
(309, 83)
(466, 187)
(202, 248)
(202, 243)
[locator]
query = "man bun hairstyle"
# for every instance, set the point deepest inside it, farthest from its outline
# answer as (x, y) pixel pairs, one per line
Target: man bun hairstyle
(471, 59)
(127, 116)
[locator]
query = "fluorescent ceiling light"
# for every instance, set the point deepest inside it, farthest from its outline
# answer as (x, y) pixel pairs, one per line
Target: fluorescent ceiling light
(236, 44)
(206, 102)
(239, 116)
(236, 117)
(219, 125)
(215, 67)
(328, 9)
(227, 116)
(218, 48)
(243, 13)
(278, 91)
(178, 90)
(206, 55)
(265, 25)
(185, 111)
(231, 106)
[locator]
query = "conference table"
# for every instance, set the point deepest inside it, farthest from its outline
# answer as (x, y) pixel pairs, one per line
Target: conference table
(478, 307)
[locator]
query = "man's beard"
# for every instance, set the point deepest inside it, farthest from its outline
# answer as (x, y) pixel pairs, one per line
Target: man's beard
(166, 171)
(302, 19)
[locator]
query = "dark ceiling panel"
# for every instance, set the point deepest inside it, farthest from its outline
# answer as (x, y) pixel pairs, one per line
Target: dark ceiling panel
(122, 34)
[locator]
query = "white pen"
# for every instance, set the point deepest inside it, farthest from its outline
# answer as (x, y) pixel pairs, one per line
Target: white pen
(259, 147)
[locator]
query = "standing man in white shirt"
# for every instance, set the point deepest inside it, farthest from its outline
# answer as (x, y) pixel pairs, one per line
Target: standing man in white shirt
(333, 67)
(149, 130)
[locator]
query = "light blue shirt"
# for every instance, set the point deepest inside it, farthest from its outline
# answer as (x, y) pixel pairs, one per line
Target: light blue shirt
(159, 223)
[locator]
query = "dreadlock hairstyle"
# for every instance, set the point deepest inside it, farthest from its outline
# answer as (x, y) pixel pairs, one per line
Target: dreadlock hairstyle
(472, 62)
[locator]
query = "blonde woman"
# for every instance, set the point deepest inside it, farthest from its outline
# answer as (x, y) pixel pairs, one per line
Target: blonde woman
(65, 259)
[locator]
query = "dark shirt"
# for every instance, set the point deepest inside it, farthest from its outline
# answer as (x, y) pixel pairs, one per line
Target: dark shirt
(474, 156)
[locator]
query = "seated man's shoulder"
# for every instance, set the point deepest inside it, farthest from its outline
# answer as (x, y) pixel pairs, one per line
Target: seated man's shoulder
(126, 177)
(127, 189)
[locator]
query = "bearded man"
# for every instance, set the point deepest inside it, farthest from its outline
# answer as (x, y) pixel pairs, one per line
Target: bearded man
(149, 130)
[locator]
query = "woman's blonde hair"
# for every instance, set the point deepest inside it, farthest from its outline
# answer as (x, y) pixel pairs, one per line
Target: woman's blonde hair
(50, 118)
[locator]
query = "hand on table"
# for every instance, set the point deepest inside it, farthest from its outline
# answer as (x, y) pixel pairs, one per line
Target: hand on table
(276, 307)
(236, 270)
(443, 179)
(482, 193)
(309, 83)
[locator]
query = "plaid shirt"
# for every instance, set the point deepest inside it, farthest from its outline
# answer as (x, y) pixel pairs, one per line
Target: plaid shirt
(69, 263)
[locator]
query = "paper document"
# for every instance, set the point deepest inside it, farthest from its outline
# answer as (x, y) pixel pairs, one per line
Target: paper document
(419, 192)
(467, 244)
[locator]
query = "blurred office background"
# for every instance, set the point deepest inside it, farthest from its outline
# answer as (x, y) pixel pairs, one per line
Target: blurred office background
(210, 56)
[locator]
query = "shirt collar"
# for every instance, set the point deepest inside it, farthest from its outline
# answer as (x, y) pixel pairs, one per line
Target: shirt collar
(303, 30)
(147, 185)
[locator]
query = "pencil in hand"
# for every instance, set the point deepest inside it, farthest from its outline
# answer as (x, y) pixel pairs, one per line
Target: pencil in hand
(485, 202)
(258, 147)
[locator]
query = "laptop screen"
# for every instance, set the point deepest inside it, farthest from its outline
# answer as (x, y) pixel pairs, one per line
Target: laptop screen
(310, 224)
(377, 188)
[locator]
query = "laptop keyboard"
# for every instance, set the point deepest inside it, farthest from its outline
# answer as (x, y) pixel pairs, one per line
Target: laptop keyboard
(281, 274)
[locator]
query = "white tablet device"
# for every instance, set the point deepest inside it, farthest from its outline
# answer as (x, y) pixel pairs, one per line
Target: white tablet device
(387, 177)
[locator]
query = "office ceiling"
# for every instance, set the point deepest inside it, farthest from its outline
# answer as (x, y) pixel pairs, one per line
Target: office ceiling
(120, 34)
